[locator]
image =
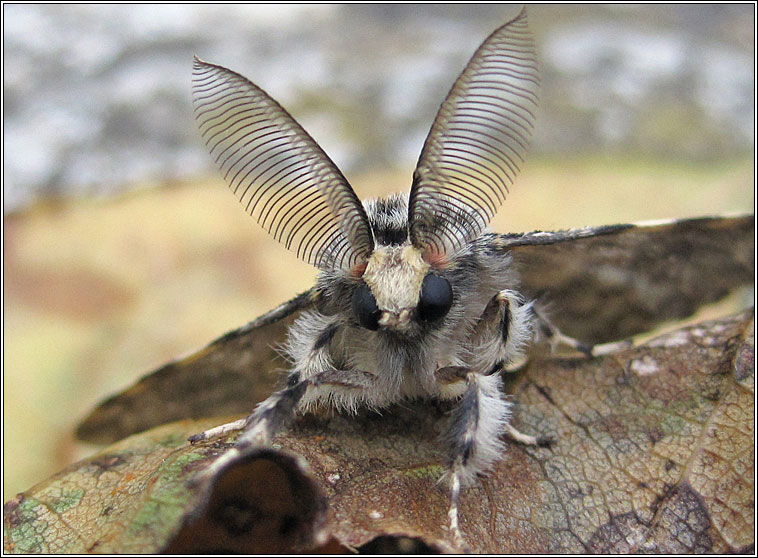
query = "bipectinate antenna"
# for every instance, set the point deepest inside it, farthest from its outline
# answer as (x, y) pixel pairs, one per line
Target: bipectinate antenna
(477, 143)
(278, 172)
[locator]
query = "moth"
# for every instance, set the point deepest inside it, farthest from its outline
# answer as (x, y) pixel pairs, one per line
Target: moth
(415, 297)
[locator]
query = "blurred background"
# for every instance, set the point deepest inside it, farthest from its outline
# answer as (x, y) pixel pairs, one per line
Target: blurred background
(123, 249)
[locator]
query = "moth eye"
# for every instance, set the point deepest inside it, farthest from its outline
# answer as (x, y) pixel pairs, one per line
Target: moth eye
(365, 309)
(436, 298)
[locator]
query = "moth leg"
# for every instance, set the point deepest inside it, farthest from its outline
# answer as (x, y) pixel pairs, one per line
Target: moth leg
(275, 412)
(555, 338)
(218, 431)
(502, 333)
(500, 337)
(313, 371)
(279, 404)
(612, 347)
(452, 512)
(545, 329)
(526, 439)
(258, 428)
(314, 350)
(473, 436)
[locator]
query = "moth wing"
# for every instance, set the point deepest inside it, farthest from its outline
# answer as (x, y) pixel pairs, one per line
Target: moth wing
(607, 283)
(228, 376)
(278, 172)
(477, 142)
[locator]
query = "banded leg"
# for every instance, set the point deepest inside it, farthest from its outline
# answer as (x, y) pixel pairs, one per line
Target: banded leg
(481, 416)
(310, 349)
(315, 375)
(272, 413)
(276, 412)
(501, 336)
(473, 438)
(278, 409)
(502, 332)
(257, 429)
(547, 330)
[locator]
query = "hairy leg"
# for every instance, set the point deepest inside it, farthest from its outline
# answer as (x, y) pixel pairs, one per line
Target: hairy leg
(482, 414)
(547, 330)
(313, 372)
(473, 437)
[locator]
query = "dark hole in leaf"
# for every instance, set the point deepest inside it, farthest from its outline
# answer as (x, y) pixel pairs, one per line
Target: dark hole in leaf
(288, 525)
(397, 544)
(237, 516)
(263, 502)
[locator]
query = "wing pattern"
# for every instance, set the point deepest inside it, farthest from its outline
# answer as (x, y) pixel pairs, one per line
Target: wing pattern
(606, 283)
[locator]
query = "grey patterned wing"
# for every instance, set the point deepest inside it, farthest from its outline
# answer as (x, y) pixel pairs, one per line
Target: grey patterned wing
(607, 283)
(229, 376)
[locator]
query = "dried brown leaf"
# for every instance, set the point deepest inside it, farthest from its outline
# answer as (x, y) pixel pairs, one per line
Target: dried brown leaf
(654, 453)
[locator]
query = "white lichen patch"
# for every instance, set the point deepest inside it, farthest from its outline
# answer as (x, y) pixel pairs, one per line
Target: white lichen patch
(706, 335)
(332, 478)
(373, 514)
(644, 366)
(675, 339)
(698, 331)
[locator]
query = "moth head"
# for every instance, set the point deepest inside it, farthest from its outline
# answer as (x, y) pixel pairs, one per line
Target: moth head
(399, 287)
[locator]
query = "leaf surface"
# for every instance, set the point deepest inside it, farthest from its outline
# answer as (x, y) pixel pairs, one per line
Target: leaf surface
(654, 453)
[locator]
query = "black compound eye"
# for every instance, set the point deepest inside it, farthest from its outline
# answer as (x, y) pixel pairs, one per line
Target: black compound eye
(436, 298)
(365, 309)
